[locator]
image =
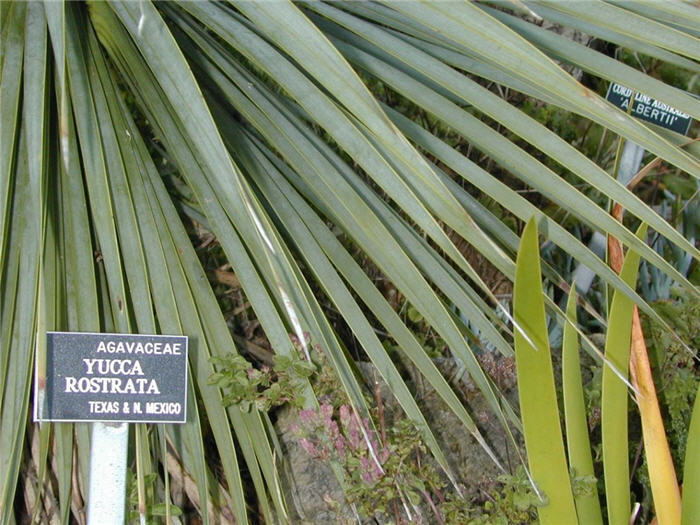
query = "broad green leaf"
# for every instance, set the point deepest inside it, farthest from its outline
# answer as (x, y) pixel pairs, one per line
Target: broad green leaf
(538, 399)
(662, 473)
(578, 443)
(613, 410)
(691, 468)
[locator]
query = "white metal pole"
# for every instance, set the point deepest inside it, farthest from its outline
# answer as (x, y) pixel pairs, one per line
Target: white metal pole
(107, 483)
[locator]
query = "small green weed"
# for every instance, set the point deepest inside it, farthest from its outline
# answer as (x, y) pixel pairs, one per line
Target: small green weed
(263, 388)
(154, 511)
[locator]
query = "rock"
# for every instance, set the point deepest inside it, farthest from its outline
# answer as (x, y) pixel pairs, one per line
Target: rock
(474, 469)
(313, 491)
(310, 486)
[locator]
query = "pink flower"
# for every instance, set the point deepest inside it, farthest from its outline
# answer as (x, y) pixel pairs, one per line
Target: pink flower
(369, 472)
(333, 430)
(344, 411)
(309, 447)
(339, 444)
(373, 443)
(378, 472)
(326, 411)
(307, 416)
(384, 454)
(354, 436)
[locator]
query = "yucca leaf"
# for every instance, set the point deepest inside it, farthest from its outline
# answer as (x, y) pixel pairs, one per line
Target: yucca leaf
(92, 153)
(170, 129)
(125, 220)
(515, 203)
(515, 159)
(81, 310)
(52, 302)
(417, 200)
(180, 85)
(63, 454)
(333, 72)
(338, 293)
(35, 116)
(349, 202)
(24, 242)
(374, 300)
(626, 37)
(159, 250)
(599, 64)
(389, 49)
(146, 321)
(237, 100)
(675, 15)
(608, 16)
(467, 26)
(12, 62)
(25, 249)
(434, 43)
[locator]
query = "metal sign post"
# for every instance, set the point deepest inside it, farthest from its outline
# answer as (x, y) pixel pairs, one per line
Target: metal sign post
(107, 482)
(112, 380)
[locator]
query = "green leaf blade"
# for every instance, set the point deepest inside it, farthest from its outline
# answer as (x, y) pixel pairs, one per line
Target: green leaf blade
(538, 399)
(691, 469)
(577, 439)
(614, 397)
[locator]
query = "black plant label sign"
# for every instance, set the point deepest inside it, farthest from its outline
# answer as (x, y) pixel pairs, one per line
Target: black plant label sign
(649, 109)
(112, 377)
